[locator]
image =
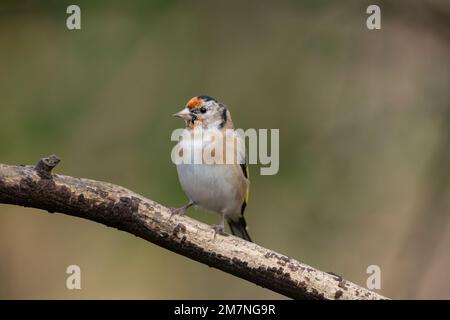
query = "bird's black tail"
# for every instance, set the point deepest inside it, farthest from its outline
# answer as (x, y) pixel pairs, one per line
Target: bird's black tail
(239, 229)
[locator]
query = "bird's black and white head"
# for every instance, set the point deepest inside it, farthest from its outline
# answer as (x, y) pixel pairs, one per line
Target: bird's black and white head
(206, 112)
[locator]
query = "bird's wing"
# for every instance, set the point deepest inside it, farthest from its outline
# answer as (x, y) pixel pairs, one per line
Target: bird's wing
(242, 160)
(246, 172)
(236, 143)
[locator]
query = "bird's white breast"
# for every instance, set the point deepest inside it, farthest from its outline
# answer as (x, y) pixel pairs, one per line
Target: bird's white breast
(211, 186)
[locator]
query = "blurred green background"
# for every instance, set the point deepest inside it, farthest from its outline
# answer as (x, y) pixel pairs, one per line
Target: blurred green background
(364, 119)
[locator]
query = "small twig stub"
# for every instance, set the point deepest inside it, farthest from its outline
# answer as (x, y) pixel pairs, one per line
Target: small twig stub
(45, 166)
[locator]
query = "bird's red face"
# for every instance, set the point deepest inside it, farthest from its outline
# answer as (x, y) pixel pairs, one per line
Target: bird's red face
(198, 110)
(195, 102)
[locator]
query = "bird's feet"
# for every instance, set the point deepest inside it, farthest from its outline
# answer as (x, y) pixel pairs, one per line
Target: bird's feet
(177, 211)
(218, 229)
(180, 211)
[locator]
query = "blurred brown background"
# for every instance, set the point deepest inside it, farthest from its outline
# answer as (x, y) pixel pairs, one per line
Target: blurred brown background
(364, 120)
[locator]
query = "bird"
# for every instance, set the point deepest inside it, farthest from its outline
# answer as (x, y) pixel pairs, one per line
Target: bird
(220, 187)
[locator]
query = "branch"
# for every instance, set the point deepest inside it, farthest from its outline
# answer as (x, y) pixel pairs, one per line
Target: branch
(115, 206)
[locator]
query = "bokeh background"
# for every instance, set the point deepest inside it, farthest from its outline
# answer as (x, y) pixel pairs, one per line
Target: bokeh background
(364, 119)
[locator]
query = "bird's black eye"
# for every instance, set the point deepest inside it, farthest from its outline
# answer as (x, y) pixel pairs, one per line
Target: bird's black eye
(202, 109)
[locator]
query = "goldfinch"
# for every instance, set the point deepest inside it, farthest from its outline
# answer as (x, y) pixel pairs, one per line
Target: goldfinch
(218, 187)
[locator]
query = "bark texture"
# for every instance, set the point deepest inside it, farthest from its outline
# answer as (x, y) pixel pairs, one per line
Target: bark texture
(117, 207)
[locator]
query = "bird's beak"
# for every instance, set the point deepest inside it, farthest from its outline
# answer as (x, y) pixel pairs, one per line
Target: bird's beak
(184, 114)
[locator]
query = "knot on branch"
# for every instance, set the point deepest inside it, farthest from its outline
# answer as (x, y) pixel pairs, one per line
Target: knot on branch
(45, 166)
